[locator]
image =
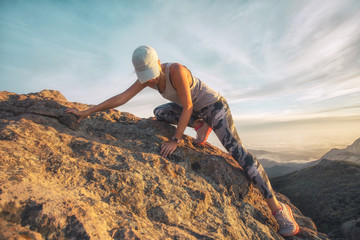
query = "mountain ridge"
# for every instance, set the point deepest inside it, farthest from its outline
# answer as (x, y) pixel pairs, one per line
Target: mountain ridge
(350, 153)
(329, 193)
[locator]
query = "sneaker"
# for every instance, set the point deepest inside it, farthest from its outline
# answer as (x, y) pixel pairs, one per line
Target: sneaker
(287, 224)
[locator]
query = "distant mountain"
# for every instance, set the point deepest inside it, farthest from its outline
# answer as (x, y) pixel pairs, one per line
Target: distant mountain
(277, 169)
(351, 153)
(327, 192)
(286, 168)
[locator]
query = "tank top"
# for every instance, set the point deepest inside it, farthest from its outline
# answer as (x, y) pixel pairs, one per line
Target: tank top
(201, 95)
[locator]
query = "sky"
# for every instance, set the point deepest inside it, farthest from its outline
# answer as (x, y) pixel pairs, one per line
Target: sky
(290, 70)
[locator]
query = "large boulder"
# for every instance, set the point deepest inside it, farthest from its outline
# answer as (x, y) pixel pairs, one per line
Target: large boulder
(105, 179)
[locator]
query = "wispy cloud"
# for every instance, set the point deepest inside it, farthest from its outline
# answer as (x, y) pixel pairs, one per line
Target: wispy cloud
(315, 59)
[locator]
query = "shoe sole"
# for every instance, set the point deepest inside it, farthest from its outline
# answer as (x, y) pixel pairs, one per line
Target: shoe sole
(297, 226)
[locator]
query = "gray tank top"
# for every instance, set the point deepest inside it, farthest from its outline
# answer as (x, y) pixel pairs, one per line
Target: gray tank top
(201, 95)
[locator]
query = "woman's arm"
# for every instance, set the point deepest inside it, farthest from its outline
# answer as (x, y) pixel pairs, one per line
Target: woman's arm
(180, 79)
(113, 102)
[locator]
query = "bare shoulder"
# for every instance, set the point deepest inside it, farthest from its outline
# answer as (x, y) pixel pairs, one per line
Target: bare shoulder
(180, 73)
(177, 68)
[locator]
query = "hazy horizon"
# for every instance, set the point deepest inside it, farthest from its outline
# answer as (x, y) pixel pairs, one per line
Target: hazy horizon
(290, 70)
(296, 141)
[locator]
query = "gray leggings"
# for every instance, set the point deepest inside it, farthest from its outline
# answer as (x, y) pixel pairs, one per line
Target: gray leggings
(219, 118)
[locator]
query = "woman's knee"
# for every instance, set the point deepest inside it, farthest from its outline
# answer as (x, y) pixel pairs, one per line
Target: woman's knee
(157, 112)
(160, 113)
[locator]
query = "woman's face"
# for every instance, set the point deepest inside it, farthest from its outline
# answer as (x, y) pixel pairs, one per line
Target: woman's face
(154, 80)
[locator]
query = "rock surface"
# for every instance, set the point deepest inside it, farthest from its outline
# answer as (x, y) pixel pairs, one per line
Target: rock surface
(104, 179)
(327, 192)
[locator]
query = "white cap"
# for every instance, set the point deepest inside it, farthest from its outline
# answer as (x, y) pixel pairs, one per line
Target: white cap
(145, 61)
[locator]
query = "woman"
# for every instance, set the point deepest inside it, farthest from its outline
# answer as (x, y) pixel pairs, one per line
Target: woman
(196, 105)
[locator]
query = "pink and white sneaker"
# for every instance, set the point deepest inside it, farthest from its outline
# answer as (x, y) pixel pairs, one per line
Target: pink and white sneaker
(287, 224)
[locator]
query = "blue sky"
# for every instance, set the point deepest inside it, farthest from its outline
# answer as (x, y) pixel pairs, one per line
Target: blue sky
(275, 61)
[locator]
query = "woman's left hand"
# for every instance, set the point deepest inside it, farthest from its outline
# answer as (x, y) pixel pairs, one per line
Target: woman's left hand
(168, 148)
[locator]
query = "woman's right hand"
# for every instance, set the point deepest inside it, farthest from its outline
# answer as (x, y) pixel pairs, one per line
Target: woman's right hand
(80, 114)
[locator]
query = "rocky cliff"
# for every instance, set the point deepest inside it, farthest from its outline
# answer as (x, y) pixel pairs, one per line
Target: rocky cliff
(104, 179)
(329, 193)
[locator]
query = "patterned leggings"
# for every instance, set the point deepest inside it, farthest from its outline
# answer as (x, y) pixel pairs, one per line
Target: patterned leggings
(219, 118)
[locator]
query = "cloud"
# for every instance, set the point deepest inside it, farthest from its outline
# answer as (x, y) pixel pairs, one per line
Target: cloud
(313, 63)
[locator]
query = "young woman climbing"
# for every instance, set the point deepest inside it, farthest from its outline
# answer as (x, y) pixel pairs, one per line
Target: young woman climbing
(196, 105)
